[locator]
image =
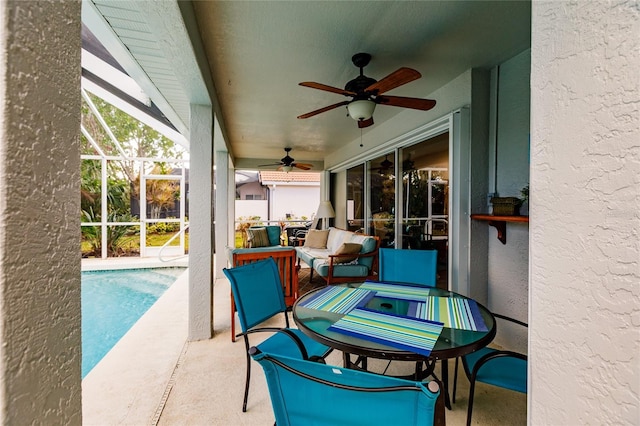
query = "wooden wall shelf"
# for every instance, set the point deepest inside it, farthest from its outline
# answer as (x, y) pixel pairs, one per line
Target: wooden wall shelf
(500, 223)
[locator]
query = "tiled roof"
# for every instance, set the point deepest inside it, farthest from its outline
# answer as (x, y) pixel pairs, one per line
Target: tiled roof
(289, 177)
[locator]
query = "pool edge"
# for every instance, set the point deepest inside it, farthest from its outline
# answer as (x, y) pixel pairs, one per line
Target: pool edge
(127, 385)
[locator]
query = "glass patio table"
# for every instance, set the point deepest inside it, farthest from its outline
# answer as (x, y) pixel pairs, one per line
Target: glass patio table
(451, 342)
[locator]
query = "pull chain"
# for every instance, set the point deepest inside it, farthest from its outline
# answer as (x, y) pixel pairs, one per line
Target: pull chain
(361, 138)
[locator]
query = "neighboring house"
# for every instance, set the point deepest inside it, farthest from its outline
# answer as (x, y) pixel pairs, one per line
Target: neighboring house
(278, 196)
(291, 195)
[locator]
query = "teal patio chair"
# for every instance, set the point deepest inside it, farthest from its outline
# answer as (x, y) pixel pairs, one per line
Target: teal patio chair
(258, 295)
(501, 368)
(408, 266)
(308, 393)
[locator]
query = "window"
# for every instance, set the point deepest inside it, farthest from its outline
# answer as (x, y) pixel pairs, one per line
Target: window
(355, 198)
(382, 199)
(425, 192)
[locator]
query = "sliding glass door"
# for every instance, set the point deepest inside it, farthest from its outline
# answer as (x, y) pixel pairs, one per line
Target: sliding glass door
(402, 197)
(425, 193)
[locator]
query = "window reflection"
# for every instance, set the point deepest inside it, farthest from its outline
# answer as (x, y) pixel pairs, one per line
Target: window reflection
(355, 198)
(425, 194)
(383, 199)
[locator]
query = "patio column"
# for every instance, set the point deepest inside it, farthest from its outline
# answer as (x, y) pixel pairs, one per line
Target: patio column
(40, 356)
(201, 223)
(584, 362)
(223, 208)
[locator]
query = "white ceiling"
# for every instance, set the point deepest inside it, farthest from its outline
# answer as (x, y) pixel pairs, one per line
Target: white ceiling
(258, 52)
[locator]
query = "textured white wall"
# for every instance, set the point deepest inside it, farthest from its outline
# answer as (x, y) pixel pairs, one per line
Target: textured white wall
(585, 223)
(39, 220)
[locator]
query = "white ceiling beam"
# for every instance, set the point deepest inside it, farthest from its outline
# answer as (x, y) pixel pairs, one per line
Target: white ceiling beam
(94, 20)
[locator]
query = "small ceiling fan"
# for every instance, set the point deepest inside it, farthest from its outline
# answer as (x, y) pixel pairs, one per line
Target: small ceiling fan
(408, 164)
(385, 167)
(287, 163)
(367, 93)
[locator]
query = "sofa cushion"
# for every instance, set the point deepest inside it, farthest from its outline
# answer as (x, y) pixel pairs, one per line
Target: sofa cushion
(321, 266)
(308, 255)
(368, 242)
(258, 250)
(258, 237)
(347, 248)
(316, 239)
(274, 232)
(337, 237)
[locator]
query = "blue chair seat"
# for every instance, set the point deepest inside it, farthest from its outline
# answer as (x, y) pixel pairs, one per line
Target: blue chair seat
(501, 368)
(504, 371)
(282, 344)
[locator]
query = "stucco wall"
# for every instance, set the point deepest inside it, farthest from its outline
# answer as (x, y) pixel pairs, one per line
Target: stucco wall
(584, 346)
(39, 220)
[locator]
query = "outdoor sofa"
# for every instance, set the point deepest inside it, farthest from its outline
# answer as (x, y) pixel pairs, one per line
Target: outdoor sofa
(338, 255)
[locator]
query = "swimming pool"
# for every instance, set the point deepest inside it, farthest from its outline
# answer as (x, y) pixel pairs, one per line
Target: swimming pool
(112, 302)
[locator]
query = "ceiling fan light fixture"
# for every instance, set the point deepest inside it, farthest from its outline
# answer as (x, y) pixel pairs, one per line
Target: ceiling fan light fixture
(287, 169)
(361, 109)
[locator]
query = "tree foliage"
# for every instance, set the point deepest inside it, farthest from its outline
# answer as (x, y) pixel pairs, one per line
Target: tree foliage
(136, 140)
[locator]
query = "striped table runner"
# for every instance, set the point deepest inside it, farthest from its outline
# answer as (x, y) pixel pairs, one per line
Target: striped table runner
(454, 312)
(397, 291)
(340, 300)
(409, 334)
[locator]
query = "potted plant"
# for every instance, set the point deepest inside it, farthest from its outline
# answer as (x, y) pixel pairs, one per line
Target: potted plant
(524, 193)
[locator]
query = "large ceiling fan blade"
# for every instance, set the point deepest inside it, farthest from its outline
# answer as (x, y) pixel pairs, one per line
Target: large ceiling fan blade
(302, 166)
(365, 123)
(270, 165)
(321, 110)
(326, 88)
(397, 78)
(401, 101)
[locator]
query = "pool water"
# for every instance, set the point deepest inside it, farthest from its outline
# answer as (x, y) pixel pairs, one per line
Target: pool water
(112, 302)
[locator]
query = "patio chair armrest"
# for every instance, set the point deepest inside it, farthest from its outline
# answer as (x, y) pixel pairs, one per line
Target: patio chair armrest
(288, 333)
(493, 355)
(358, 255)
(332, 256)
(513, 320)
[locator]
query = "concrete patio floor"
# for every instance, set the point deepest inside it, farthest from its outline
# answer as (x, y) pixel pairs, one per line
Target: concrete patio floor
(154, 376)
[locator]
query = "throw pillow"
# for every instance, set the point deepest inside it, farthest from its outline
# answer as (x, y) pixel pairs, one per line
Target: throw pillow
(258, 237)
(316, 239)
(274, 235)
(347, 248)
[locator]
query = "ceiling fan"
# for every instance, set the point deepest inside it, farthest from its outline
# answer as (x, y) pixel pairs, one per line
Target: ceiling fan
(408, 164)
(367, 93)
(287, 163)
(385, 167)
